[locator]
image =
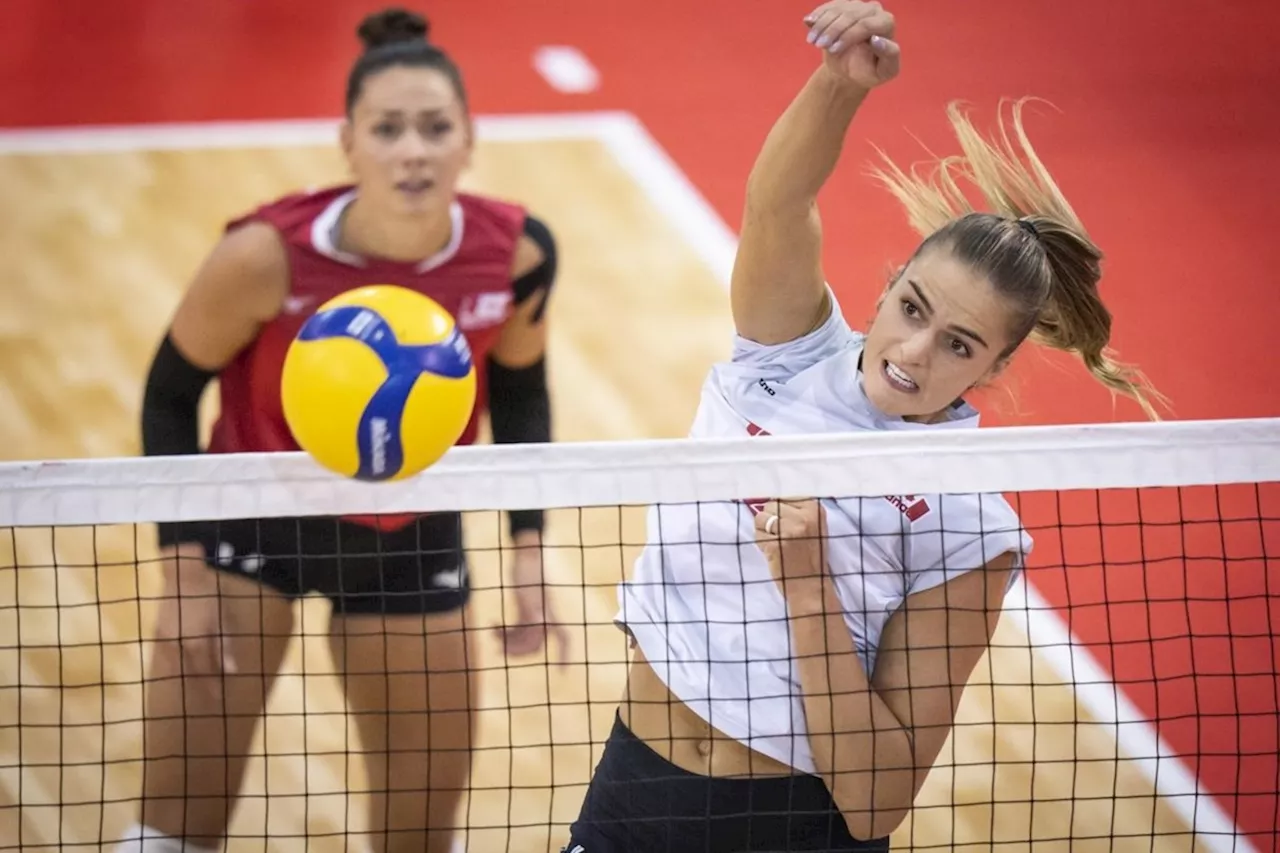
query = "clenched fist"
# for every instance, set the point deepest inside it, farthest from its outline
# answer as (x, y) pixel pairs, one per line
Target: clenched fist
(857, 40)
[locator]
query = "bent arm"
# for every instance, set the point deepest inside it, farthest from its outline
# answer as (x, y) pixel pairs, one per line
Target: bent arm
(240, 286)
(519, 404)
(875, 740)
(778, 290)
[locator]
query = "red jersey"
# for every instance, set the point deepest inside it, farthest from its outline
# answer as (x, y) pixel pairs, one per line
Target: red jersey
(470, 278)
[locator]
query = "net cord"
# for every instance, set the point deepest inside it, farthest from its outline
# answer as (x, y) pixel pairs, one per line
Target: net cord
(614, 473)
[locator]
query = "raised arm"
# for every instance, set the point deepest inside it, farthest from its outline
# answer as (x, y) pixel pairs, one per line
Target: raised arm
(778, 291)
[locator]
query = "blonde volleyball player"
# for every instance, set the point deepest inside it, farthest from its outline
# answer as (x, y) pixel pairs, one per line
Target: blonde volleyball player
(398, 585)
(792, 691)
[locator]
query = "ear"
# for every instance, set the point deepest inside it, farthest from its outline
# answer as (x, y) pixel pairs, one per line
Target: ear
(470, 128)
(346, 138)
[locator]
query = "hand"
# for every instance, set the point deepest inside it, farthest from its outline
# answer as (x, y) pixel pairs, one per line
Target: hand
(192, 615)
(857, 40)
(791, 534)
(535, 620)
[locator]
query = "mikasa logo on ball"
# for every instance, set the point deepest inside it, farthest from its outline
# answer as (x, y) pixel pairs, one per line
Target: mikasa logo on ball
(378, 436)
(460, 346)
(360, 323)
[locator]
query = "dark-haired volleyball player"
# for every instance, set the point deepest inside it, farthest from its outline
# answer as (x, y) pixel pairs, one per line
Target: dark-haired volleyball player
(799, 667)
(400, 588)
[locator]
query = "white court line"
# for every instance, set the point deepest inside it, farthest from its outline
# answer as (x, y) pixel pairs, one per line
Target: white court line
(280, 134)
(697, 221)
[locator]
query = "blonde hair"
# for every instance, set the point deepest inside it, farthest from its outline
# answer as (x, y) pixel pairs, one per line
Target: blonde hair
(1031, 245)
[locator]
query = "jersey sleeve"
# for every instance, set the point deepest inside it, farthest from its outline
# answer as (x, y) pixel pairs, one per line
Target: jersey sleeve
(780, 362)
(966, 532)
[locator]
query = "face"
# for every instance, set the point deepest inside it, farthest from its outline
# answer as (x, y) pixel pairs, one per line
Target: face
(938, 332)
(407, 141)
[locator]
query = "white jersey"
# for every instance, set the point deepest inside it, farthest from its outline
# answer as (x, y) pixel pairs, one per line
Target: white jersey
(701, 602)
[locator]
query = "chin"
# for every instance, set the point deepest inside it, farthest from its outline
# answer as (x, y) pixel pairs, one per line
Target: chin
(414, 208)
(895, 403)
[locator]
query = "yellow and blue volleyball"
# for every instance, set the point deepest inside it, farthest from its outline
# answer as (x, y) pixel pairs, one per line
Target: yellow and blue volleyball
(379, 383)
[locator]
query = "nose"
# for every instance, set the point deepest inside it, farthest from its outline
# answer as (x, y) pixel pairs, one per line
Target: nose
(915, 349)
(414, 148)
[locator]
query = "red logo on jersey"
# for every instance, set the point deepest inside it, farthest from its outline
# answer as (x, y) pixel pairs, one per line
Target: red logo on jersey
(912, 507)
(756, 505)
(484, 309)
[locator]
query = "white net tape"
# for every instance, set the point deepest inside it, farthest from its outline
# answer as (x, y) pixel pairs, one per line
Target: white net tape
(1015, 459)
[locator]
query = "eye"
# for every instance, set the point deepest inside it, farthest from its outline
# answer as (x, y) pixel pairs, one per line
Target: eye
(386, 129)
(909, 308)
(960, 348)
(439, 128)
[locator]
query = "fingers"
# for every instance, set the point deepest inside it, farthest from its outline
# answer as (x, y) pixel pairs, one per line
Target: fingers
(822, 23)
(888, 55)
(837, 25)
(203, 649)
(528, 638)
(789, 518)
(561, 634)
(520, 640)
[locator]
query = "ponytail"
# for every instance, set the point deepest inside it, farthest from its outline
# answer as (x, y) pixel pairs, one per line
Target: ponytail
(1031, 245)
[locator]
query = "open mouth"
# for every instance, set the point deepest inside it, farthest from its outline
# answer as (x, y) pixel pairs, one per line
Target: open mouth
(898, 378)
(416, 186)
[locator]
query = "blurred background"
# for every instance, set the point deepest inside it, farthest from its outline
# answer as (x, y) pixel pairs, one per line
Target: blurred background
(133, 130)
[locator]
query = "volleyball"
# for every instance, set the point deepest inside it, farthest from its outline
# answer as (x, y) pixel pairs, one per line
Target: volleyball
(378, 384)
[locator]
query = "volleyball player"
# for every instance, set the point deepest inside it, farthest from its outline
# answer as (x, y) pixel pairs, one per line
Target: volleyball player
(792, 691)
(399, 589)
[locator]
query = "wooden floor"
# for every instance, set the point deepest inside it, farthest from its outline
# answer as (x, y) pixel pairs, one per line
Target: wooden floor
(94, 252)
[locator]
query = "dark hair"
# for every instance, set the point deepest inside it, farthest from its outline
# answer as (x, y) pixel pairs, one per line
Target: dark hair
(1033, 248)
(396, 37)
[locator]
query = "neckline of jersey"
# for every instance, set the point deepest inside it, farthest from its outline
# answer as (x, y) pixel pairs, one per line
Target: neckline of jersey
(325, 228)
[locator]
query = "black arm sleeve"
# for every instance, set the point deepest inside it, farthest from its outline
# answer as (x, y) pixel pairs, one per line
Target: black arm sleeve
(536, 283)
(170, 414)
(519, 406)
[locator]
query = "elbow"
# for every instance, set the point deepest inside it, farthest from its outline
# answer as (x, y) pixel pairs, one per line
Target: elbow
(880, 824)
(870, 823)
(875, 808)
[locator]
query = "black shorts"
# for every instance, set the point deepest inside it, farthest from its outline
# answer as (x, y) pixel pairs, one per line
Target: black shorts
(639, 801)
(420, 568)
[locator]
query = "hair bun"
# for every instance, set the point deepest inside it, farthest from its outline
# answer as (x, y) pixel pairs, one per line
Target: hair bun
(391, 26)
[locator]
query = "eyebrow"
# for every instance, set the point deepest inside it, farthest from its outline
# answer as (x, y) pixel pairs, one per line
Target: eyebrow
(431, 111)
(924, 301)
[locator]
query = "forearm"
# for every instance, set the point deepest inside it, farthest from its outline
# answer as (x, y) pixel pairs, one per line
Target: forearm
(520, 412)
(860, 747)
(802, 149)
(170, 420)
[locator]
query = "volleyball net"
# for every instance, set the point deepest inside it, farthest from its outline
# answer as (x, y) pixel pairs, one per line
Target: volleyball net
(1128, 699)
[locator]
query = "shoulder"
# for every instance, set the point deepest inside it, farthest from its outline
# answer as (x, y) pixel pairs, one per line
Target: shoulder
(253, 249)
(831, 338)
(492, 217)
(535, 249)
(250, 266)
(509, 227)
(293, 210)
